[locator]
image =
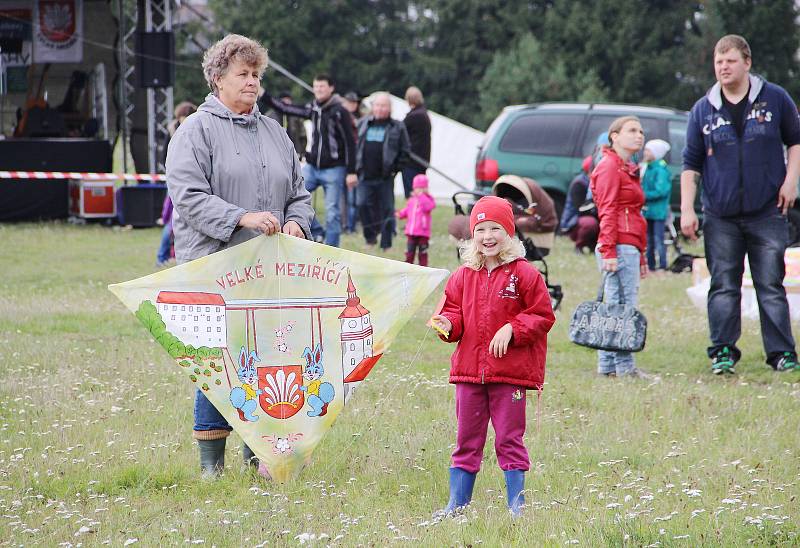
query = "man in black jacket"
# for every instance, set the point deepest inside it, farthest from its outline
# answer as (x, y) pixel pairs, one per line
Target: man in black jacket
(332, 157)
(418, 125)
(382, 146)
(352, 102)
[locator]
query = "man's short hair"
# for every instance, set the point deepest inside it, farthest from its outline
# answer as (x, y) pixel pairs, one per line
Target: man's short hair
(352, 96)
(383, 95)
(733, 41)
(324, 78)
(414, 96)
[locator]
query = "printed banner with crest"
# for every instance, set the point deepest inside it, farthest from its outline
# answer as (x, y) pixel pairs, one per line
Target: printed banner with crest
(58, 31)
(278, 332)
(15, 32)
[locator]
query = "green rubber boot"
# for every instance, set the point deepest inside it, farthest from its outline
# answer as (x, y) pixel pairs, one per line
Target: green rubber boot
(212, 457)
(248, 457)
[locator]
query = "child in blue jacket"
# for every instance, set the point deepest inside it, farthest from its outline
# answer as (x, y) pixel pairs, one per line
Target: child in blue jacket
(657, 186)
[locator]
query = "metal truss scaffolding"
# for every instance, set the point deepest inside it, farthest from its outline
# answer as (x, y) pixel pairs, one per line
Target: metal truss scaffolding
(126, 53)
(158, 18)
(154, 16)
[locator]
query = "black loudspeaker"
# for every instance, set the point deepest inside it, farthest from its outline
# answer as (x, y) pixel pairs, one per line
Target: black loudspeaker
(140, 205)
(74, 154)
(32, 199)
(155, 59)
(44, 122)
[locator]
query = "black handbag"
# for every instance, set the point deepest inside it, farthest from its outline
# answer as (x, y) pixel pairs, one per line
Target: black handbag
(608, 326)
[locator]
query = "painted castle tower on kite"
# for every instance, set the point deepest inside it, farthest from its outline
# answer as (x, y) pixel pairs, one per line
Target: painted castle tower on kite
(356, 337)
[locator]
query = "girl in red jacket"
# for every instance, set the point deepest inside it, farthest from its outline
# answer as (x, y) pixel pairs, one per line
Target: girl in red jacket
(618, 195)
(498, 309)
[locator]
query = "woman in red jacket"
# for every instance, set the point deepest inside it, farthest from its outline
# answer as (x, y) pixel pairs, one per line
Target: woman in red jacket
(618, 195)
(498, 309)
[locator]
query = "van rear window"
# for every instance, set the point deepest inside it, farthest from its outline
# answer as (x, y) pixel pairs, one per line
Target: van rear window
(677, 140)
(547, 134)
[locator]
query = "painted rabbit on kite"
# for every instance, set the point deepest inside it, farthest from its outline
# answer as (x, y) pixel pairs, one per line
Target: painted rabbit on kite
(244, 398)
(320, 394)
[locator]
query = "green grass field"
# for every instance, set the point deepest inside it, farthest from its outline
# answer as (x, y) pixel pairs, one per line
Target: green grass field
(96, 447)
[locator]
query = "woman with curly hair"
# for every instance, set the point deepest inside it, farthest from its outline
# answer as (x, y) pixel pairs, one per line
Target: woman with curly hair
(232, 174)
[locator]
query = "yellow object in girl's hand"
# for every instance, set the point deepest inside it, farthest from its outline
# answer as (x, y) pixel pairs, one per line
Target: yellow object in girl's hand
(441, 331)
(435, 324)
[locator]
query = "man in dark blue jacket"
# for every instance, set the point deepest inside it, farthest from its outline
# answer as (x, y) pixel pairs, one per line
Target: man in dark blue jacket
(735, 140)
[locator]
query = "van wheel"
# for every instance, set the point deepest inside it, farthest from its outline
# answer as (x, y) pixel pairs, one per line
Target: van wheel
(794, 227)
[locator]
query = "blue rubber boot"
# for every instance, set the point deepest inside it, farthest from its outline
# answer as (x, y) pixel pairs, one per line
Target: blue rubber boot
(461, 484)
(515, 484)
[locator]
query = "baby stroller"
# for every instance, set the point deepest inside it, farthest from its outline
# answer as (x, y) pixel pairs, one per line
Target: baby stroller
(535, 221)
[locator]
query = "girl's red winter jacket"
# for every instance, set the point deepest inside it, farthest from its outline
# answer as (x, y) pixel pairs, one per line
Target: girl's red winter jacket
(478, 303)
(619, 198)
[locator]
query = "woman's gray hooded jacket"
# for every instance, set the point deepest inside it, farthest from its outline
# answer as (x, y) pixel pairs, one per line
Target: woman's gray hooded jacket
(221, 165)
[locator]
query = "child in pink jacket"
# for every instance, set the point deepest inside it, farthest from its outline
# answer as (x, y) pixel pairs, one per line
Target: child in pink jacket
(418, 226)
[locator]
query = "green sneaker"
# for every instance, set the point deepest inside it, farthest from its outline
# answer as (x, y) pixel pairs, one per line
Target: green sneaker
(787, 362)
(722, 361)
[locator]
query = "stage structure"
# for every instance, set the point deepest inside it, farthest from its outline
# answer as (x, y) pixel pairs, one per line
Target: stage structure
(150, 16)
(62, 61)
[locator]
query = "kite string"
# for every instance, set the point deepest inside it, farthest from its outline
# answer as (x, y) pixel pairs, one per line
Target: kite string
(379, 222)
(343, 451)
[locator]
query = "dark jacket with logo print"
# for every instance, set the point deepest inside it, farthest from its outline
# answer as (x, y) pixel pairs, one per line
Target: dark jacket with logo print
(395, 146)
(741, 176)
(478, 303)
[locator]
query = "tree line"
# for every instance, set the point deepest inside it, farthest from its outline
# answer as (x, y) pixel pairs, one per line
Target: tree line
(473, 57)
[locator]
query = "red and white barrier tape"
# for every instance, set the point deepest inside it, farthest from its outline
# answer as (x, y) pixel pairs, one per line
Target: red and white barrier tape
(77, 175)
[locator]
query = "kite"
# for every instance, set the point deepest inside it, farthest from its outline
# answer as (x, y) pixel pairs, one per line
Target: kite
(279, 332)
